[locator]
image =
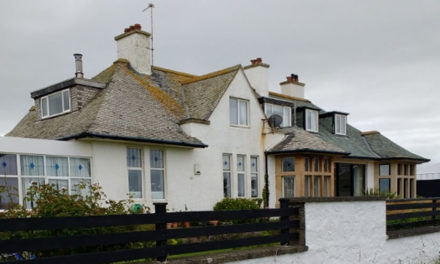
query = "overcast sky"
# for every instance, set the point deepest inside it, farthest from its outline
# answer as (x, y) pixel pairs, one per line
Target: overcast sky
(377, 60)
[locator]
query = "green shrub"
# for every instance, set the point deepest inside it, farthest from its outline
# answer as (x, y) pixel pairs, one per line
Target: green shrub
(236, 204)
(375, 192)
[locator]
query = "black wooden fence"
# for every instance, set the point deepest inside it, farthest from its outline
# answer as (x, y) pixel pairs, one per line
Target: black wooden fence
(235, 229)
(412, 213)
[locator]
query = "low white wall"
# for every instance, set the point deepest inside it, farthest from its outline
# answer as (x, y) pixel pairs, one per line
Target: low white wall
(354, 232)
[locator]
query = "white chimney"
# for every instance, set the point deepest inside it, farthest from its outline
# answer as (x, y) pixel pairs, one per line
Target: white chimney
(134, 46)
(292, 87)
(257, 74)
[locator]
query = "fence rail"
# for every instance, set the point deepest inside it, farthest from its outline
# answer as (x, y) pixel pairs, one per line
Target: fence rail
(412, 213)
(106, 239)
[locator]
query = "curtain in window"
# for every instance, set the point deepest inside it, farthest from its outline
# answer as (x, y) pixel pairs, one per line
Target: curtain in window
(66, 100)
(57, 166)
(227, 184)
(79, 167)
(156, 159)
(32, 165)
(157, 184)
(135, 183)
(289, 187)
(240, 177)
(8, 164)
(243, 113)
(233, 111)
(10, 192)
(134, 159)
(55, 104)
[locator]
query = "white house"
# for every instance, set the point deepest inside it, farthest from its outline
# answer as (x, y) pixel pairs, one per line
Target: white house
(163, 135)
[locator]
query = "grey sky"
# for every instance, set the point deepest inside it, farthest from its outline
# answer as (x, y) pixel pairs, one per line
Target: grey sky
(377, 60)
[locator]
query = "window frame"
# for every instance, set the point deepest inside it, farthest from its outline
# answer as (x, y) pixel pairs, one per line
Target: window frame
(284, 110)
(239, 121)
(164, 195)
(314, 119)
(229, 194)
(254, 176)
(340, 125)
(243, 173)
(292, 177)
(45, 107)
(138, 169)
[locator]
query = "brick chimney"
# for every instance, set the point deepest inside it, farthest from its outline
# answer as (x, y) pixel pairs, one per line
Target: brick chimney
(292, 86)
(134, 46)
(257, 74)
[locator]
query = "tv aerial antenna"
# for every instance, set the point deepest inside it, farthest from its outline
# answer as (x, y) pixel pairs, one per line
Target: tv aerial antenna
(150, 6)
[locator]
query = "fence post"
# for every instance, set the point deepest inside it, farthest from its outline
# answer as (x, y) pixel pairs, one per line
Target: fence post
(434, 209)
(161, 227)
(284, 220)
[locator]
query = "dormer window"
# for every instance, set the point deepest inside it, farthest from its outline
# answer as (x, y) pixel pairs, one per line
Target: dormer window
(340, 124)
(55, 104)
(312, 120)
(283, 111)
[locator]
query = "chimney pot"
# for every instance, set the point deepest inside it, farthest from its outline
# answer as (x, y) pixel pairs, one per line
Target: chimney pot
(126, 30)
(131, 27)
(78, 65)
(137, 26)
(256, 61)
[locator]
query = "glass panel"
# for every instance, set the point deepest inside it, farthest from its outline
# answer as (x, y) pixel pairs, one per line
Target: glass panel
(26, 183)
(157, 184)
(308, 120)
(384, 185)
(405, 188)
(227, 184)
(326, 167)
(306, 164)
(44, 107)
(316, 164)
(32, 165)
(134, 159)
(156, 159)
(240, 178)
(66, 100)
(326, 186)
(344, 178)
(254, 185)
(60, 185)
(79, 167)
(135, 183)
(317, 186)
(8, 192)
(74, 188)
(254, 164)
(57, 166)
(233, 111)
(405, 169)
(55, 104)
(8, 164)
(399, 169)
(226, 162)
(358, 179)
(268, 110)
(399, 187)
(411, 188)
(288, 164)
(243, 113)
(384, 170)
(307, 185)
(288, 187)
(286, 116)
(240, 162)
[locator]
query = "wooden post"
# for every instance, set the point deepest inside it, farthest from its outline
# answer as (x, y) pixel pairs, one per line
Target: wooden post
(284, 220)
(161, 226)
(434, 210)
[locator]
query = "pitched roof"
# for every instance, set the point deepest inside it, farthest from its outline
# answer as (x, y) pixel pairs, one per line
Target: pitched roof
(131, 107)
(299, 140)
(387, 149)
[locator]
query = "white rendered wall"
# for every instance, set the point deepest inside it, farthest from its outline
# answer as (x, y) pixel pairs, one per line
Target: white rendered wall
(292, 89)
(136, 49)
(354, 232)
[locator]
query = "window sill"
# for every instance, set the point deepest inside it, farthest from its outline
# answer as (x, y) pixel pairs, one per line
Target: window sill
(239, 126)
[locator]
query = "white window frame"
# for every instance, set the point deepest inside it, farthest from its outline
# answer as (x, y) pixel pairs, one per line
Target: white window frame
(45, 106)
(340, 125)
(240, 123)
(313, 125)
(137, 169)
(254, 175)
(230, 174)
(164, 175)
(286, 115)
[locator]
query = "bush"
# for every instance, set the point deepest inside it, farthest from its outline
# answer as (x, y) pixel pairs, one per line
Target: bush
(236, 204)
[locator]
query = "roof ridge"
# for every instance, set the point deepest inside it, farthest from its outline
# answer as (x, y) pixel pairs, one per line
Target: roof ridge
(174, 72)
(213, 74)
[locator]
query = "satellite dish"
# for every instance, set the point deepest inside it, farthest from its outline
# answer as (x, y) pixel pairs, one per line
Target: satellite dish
(275, 120)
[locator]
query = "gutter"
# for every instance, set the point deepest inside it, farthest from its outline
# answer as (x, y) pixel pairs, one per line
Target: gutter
(306, 150)
(138, 139)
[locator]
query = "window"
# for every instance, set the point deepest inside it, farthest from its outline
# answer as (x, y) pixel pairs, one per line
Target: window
(327, 165)
(307, 185)
(317, 186)
(405, 188)
(254, 176)
(411, 188)
(384, 169)
(283, 111)
(8, 181)
(288, 164)
(384, 185)
(226, 175)
(312, 121)
(306, 164)
(240, 175)
(80, 175)
(288, 186)
(327, 186)
(57, 170)
(55, 104)
(157, 174)
(134, 166)
(316, 164)
(340, 125)
(238, 112)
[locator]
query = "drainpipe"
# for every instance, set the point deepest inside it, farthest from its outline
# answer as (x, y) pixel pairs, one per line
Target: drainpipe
(266, 180)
